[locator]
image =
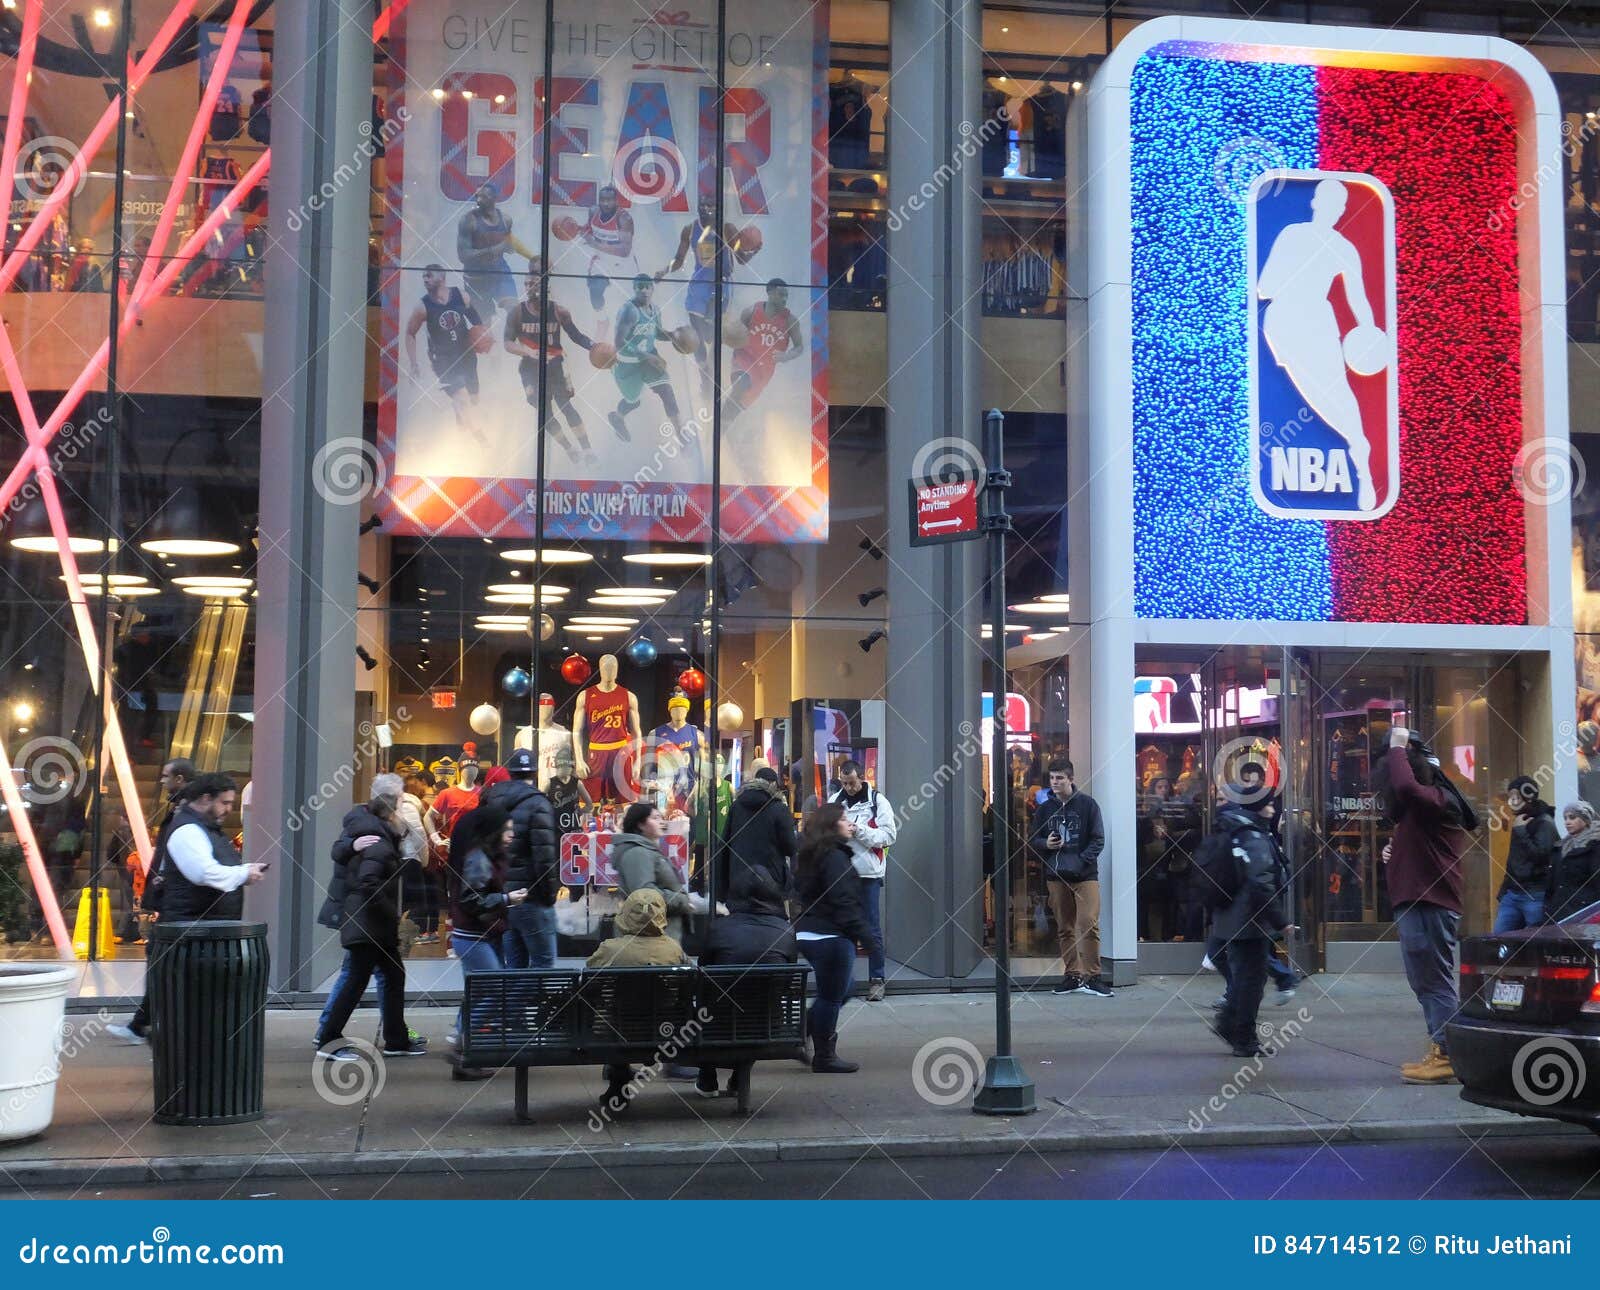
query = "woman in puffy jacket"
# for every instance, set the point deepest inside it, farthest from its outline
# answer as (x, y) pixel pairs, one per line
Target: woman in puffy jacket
(1575, 872)
(831, 922)
(1534, 843)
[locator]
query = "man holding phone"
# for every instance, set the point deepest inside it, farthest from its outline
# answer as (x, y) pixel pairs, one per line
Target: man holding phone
(1068, 836)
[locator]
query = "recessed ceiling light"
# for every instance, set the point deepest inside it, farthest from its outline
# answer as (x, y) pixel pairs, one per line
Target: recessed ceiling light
(551, 589)
(189, 546)
(46, 545)
(210, 593)
(500, 627)
(115, 579)
(551, 555)
(214, 581)
(582, 628)
(667, 558)
(1039, 607)
(597, 620)
(521, 598)
(627, 598)
(1057, 598)
(521, 619)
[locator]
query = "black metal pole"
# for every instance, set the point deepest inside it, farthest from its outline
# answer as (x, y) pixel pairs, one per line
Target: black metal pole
(714, 569)
(542, 413)
(1006, 1090)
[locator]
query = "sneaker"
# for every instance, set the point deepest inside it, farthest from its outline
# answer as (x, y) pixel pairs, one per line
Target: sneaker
(1095, 986)
(1206, 965)
(339, 1055)
(316, 1042)
(875, 991)
(706, 1084)
(620, 426)
(1220, 1004)
(414, 1048)
(1246, 1050)
(1285, 994)
(127, 1034)
(1067, 985)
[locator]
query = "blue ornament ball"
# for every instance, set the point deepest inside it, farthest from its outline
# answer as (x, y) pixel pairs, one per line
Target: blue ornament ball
(517, 683)
(641, 651)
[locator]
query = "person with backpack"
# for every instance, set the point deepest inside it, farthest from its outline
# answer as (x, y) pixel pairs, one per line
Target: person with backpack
(1534, 843)
(534, 862)
(1068, 835)
(872, 829)
(1432, 827)
(1242, 874)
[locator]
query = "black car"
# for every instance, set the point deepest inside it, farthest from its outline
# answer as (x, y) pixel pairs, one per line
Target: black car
(1527, 1038)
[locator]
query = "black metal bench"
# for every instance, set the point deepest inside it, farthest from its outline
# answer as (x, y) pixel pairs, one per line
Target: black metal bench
(720, 1016)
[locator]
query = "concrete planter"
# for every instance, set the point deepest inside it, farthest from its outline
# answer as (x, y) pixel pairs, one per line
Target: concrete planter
(33, 998)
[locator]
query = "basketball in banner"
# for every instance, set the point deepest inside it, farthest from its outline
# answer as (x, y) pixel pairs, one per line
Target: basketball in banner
(613, 320)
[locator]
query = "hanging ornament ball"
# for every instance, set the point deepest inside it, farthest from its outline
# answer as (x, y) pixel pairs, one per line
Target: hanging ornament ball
(575, 669)
(730, 717)
(641, 651)
(547, 627)
(692, 681)
(485, 719)
(517, 683)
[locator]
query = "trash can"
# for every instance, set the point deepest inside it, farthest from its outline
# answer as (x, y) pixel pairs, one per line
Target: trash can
(207, 984)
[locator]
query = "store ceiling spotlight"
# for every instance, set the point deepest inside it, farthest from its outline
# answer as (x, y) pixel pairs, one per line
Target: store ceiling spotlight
(867, 642)
(367, 661)
(531, 555)
(680, 559)
(871, 548)
(867, 597)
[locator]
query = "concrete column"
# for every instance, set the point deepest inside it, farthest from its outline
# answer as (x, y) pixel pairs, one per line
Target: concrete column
(933, 905)
(313, 362)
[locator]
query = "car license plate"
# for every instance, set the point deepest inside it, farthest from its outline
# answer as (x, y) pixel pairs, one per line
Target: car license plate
(1507, 994)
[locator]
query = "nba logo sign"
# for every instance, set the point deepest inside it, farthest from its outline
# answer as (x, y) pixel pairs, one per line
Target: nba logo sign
(1324, 390)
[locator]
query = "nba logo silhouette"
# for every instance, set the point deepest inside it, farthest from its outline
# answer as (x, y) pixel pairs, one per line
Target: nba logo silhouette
(1324, 389)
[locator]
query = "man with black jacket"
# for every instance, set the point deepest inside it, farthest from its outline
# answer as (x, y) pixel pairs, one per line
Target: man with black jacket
(1068, 836)
(757, 848)
(202, 873)
(1253, 917)
(535, 863)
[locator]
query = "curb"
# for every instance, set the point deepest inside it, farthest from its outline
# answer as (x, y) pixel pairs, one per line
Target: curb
(117, 1171)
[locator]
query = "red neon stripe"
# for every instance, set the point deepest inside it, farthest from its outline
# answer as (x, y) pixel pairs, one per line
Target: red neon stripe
(22, 77)
(1453, 547)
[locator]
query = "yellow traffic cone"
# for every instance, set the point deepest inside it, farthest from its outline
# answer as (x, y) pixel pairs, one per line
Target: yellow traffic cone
(104, 936)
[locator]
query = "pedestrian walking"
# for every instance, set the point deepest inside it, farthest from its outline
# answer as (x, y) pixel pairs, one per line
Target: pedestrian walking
(421, 886)
(534, 863)
(1575, 872)
(1432, 821)
(479, 900)
(202, 874)
(1248, 912)
(830, 925)
(872, 832)
(1532, 847)
(757, 848)
(368, 859)
(1068, 835)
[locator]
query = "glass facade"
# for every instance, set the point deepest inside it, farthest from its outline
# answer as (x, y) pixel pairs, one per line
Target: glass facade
(626, 437)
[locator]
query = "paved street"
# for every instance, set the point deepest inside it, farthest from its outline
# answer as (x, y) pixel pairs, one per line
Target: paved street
(1132, 1082)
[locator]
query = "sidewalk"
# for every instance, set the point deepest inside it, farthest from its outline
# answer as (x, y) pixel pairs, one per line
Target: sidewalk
(1138, 1070)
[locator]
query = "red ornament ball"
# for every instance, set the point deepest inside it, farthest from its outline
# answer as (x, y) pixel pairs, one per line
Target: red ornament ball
(575, 669)
(692, 681)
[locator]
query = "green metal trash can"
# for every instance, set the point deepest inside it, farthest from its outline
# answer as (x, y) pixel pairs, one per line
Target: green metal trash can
(207, 984)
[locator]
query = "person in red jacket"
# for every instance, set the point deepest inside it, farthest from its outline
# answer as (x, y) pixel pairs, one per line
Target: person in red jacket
(1432, 826)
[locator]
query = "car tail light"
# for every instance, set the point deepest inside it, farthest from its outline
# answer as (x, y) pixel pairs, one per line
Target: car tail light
(1591, 1005)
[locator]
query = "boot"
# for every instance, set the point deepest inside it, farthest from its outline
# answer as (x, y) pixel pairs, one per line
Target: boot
(1434, 1068)
(827, 1061)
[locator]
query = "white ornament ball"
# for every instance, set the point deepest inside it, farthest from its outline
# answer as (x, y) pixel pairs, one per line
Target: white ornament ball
(485, 719)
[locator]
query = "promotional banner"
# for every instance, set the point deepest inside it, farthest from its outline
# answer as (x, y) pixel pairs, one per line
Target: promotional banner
(634, 358)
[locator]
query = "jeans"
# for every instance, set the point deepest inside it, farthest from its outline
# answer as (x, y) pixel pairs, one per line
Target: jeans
(1427, 945)
(530, 939)
(364, 960)
(833, 959)
(872, 906)
(380, 976)
(475, 954)
(1517, 910)
(1243, 962)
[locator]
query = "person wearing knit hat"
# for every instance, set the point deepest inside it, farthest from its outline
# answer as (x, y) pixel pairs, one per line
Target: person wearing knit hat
(1575, 870)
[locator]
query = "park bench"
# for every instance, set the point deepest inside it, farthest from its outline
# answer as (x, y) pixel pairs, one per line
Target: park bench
(720, 1016)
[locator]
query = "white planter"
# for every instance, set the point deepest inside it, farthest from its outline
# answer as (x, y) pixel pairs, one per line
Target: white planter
(33, 998)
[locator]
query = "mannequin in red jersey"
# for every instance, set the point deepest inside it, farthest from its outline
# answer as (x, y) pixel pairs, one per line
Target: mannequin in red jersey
(605, 728)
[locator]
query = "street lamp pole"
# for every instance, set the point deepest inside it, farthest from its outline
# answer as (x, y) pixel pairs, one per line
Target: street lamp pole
(1006, 1089)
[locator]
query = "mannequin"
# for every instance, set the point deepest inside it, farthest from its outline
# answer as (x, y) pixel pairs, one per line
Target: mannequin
(552, 738)
(679, 753)
(605, 726)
